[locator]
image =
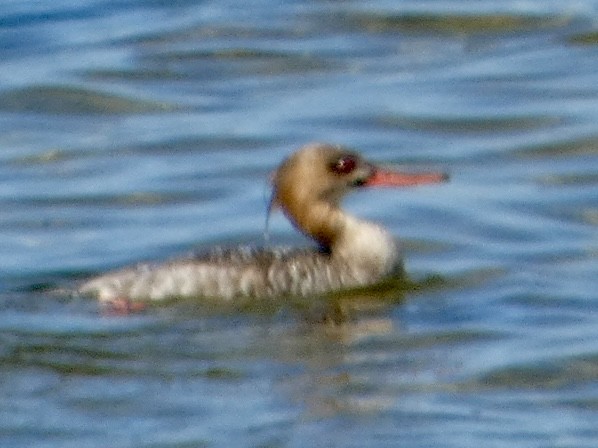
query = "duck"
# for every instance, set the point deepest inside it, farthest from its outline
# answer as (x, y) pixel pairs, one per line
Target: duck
(308, 188)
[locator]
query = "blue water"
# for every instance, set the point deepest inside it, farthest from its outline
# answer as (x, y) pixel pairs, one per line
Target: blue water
(135, 130)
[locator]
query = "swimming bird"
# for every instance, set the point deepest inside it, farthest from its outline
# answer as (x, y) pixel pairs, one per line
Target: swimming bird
(308, 187)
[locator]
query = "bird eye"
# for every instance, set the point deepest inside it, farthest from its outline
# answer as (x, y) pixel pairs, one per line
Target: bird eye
(344, 165)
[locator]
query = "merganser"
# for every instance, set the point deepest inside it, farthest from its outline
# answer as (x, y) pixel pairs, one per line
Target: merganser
(307, 187)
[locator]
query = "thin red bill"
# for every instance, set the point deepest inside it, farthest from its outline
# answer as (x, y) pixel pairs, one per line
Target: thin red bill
(386, 178)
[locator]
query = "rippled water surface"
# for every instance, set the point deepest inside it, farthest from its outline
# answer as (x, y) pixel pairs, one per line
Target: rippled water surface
(134, 130)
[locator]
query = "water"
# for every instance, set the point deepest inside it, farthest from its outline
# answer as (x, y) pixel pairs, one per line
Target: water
(133, 130)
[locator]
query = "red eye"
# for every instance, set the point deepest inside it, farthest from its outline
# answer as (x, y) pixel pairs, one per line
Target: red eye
(344, 165)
